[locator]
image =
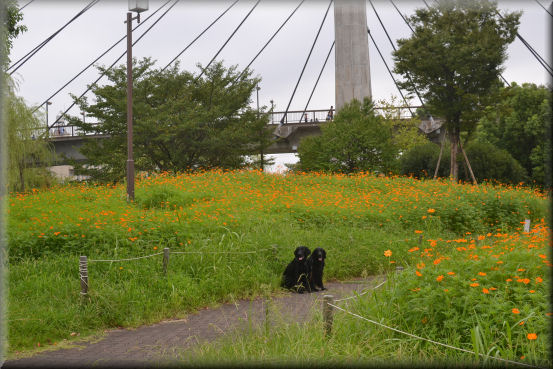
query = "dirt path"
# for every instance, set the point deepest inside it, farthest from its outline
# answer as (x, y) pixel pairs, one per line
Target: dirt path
(162, 342)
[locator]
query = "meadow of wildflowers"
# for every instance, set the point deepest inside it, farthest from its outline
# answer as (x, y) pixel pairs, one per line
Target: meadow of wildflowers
(367, 224)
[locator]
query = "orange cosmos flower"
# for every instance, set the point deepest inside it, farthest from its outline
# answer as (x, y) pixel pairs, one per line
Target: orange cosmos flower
(417, 231)
(431, 211)
(413, 249)
(420, 265)
(418, 273)
(388, 253)
(481, 273)
(532, 336)
(515, 311)
(542, 256)
(539, 280)
(485, 290)
(439, 278)
(474, 284)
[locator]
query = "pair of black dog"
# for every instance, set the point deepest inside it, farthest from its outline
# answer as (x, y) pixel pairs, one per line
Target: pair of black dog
(305, 272)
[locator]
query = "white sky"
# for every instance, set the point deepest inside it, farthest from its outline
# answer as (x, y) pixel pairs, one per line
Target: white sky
(279, 65)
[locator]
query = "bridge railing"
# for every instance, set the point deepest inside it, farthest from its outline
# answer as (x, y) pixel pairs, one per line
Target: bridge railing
(275, 117)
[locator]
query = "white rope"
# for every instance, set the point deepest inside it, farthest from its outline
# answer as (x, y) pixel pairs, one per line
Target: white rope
(140, 257)
(219, 252)
(360, 294)
(426, 339)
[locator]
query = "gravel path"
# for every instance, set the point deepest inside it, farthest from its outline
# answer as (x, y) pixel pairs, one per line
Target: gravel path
(162, 343)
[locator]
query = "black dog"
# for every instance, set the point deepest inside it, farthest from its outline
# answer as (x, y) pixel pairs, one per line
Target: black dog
(316, 265)
(296, 274)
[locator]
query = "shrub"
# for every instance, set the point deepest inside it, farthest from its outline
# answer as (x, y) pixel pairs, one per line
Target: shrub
(420, 161)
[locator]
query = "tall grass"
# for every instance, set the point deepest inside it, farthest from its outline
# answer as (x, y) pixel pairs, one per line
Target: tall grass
(355, 218)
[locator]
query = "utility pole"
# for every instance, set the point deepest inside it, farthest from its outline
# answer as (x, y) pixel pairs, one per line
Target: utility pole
(137, 6)
(257, 88)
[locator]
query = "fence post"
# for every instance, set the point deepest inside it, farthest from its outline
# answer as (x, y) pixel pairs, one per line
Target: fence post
(526, 225)
(420, 239)
(83, 275)
(165, 260)
(327, 314)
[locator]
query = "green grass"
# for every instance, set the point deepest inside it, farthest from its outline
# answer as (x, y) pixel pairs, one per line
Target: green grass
(355, 218)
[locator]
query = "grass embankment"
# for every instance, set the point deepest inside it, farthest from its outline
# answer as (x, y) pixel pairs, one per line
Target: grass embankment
(355, 218)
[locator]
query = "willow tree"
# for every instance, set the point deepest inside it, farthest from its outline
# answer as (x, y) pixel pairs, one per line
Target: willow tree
(29, 154)
(454, 59)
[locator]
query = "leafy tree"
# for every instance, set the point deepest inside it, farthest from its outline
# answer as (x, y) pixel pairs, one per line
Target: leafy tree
(420, 161)
(11, 28)
(29, 153)
(405, 132)
(519, 123)
(181, 122)
(356, 140)
(454, 58)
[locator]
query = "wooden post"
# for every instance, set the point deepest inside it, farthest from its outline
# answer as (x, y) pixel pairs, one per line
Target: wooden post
(83, 275)
(420, 239)
(165, 260)
(327, 314)
(526, 225)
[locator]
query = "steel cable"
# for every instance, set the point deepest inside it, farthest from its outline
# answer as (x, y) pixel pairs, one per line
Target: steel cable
(37, 48)
(305, 64)
(113, 64)
(226, 42)
(318, 78)
(197, 37)
(99, 57)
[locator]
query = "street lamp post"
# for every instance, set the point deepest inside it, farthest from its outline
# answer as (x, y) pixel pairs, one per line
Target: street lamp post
(46, 104)
(137, 6)
(261, 163)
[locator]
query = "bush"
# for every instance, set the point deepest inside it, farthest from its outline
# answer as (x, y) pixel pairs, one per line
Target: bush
(490, 163)
(420, 161)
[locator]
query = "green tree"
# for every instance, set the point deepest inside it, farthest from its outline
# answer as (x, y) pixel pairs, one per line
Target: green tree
(11, 28)
(454, 58)
(520, 123)
(181, 122)
(29, 153)
(356, 140)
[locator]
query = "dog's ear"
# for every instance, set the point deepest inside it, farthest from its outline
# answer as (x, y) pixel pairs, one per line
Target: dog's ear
(297, 250)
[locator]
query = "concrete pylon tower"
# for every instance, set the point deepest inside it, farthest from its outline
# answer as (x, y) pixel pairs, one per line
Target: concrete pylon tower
(352, 74)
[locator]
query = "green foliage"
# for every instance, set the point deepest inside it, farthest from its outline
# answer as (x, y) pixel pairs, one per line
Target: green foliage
(454, 58)
(29, 153)
(11, 28)
(490, 163)
(356, 140)
(181, 122)
(420, 161)
(520, 122)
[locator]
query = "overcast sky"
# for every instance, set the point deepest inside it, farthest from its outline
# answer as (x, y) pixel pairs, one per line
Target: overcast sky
(279, 66)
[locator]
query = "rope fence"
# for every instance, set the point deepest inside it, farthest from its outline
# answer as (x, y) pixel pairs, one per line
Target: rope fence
(83, 261)
(327, 315)
(329, 305)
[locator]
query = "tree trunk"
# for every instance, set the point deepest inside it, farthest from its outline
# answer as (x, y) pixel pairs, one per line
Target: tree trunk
(468, 163)
(453, 167)
(440, 156)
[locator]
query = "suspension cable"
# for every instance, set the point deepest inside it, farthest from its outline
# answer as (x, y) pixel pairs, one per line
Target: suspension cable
(197, 37)
(31, 53)
(227, 41)
(394, 47)
(115, 62)
(544, 8)
(390, 72)
(267, 43)
(23, 7)
(99, 57)
(305, 64)
(319, 77)
(402, 16)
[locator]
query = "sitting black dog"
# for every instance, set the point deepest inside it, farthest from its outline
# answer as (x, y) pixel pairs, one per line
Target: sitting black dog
(316, 265)
(296, 274)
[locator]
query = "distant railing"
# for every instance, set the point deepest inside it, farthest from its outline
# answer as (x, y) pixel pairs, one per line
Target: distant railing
(275, 117)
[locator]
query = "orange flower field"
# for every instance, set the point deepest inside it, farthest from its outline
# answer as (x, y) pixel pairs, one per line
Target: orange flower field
(470, 271)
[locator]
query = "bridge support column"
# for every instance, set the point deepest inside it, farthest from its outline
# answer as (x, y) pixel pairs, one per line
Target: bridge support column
(352, 73)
